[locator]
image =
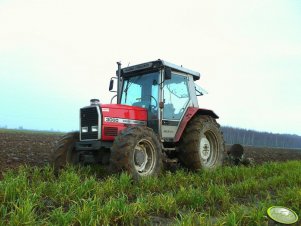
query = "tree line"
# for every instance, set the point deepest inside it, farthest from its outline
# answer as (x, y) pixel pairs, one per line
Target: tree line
(254, 138)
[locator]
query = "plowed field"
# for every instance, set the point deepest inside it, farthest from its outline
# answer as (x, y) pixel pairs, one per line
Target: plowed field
(18, 148)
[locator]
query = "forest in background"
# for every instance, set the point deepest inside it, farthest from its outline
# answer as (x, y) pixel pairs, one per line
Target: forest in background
(262, 139)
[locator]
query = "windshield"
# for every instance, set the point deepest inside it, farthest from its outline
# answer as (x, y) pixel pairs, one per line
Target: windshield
(141, 90)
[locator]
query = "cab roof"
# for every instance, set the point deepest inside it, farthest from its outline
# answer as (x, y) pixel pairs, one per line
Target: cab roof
(157, 65)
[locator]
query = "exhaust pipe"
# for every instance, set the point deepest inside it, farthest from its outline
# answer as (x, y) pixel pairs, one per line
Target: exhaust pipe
(118, 82)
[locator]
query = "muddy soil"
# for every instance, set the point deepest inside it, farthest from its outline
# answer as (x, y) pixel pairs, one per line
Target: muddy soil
(32, 149)
(265, 154)
(35, 149)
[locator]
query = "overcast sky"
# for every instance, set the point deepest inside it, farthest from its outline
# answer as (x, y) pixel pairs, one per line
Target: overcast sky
(55, 55)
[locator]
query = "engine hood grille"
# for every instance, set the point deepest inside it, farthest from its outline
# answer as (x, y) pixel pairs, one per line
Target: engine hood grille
(90, 123)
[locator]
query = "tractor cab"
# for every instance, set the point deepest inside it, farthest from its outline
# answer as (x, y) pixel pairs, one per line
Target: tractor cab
(164, 89)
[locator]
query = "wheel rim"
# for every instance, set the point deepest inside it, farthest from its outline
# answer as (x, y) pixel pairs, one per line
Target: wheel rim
(205, 148)
(144, 157)
(208, 149)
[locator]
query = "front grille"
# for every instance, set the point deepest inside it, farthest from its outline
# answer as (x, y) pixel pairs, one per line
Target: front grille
(88, 118)
(110, 131)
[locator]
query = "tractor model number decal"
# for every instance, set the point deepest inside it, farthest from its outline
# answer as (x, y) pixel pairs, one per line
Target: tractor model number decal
(107, 119)
(124, 121)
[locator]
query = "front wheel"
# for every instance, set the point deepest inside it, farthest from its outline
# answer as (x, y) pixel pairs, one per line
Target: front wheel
(202, 144)
(64, 152)
(137, 151)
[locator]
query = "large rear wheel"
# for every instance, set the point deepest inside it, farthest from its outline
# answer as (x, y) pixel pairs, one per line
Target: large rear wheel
(137, 151)
(64, 152)
(202, 144)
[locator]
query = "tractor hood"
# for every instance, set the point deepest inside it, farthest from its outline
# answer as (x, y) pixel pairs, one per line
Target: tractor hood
(119, 113)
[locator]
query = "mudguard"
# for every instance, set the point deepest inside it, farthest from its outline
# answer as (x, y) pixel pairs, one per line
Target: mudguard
(191, 111)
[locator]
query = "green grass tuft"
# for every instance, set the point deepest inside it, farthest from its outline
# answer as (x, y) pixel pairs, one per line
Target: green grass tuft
(83, 196)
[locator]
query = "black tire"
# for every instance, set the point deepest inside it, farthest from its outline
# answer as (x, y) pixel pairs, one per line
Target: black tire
(64, 152)
(202, 144)
(137, 151)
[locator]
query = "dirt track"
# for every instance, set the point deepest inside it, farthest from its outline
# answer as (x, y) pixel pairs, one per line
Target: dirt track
(35, 149)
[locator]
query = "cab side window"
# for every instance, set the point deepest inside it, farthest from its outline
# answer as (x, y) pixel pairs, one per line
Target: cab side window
(176, 97)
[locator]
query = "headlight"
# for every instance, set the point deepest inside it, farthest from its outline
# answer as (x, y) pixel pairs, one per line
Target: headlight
(94, 128)
(84, 129)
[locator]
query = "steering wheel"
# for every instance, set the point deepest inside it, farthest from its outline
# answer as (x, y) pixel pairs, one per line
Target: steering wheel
(142, 100)
(156, 102)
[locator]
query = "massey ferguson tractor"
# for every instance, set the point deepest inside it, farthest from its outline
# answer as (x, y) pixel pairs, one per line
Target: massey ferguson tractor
(156, 120)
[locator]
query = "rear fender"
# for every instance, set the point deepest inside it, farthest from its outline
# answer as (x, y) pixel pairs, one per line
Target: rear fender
(191, 111)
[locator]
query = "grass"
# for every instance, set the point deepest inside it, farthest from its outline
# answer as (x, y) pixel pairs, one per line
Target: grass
(80, 196)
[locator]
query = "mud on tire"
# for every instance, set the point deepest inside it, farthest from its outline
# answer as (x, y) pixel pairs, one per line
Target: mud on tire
(202, 145)
(137, 151)
(64, 152)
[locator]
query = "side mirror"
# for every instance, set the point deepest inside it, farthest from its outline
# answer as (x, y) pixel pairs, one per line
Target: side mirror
(111, 85)
(167, 73)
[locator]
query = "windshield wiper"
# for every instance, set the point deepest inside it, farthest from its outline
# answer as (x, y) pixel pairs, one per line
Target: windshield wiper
(126, 91)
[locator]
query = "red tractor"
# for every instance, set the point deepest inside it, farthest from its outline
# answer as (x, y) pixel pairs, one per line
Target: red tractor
(156, 120)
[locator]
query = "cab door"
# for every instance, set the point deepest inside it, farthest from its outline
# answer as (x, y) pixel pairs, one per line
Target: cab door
(176, 99)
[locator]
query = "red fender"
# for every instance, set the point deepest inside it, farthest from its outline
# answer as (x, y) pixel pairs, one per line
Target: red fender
(191, 111)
